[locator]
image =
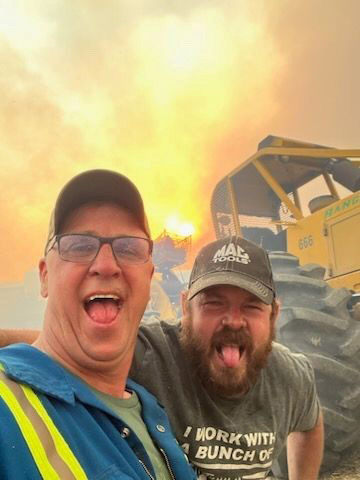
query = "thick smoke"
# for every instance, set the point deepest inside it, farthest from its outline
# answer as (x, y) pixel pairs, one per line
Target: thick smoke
(173, 94)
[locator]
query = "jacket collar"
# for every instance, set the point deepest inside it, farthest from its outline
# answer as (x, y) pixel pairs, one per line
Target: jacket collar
(28, 365)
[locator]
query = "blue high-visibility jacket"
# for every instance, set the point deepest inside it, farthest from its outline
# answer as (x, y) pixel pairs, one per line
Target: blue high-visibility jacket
(93, 432)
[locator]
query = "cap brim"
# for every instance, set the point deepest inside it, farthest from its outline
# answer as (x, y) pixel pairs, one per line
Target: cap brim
(264, 293)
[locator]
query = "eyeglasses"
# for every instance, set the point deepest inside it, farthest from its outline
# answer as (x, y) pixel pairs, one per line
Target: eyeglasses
(81, 248)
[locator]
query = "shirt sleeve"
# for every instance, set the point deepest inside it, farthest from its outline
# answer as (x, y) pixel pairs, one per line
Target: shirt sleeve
(308, 404)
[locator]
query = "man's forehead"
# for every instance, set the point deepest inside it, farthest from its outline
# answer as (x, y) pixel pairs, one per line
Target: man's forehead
(76, 214)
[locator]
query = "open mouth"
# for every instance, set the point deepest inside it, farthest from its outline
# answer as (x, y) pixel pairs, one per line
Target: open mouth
(103, 308)
(230, 354)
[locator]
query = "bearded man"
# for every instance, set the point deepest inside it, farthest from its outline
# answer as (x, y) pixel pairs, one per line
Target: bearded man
(233, 395)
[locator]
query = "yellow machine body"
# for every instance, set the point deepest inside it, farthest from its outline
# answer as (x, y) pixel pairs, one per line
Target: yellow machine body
(331, 238)
(271, 190)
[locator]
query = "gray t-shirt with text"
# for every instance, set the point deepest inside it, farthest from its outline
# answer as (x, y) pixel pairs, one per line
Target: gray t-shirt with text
(227, 439)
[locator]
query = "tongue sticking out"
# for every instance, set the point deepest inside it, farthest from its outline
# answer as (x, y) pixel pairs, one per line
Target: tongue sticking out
(230, 355)
(102, 311)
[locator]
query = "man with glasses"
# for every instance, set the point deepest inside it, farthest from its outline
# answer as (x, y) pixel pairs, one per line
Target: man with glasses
(67, 409)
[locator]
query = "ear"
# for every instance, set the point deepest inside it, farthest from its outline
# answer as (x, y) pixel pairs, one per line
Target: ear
(184, 302)
(275, 310)
(43, 275)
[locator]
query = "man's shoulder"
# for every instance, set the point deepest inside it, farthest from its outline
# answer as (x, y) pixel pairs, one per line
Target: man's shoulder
(156, 331)
(282, 354)
(28, 365)
(287, 364)
(156, 347)
(18, 356)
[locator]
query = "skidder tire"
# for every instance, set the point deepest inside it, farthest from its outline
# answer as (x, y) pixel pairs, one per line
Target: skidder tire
(314, 319)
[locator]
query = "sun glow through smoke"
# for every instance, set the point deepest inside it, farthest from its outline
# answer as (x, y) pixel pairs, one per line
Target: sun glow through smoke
(173, 224)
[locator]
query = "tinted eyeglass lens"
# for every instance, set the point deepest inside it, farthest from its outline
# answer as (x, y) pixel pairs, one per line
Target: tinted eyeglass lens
(131, 250)
(78, 248)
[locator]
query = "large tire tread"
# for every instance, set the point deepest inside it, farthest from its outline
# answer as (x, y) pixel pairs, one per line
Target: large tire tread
(315, 321)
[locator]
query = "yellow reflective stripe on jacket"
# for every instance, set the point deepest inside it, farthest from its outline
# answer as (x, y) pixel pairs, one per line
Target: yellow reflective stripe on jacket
(48, 448)
(30, 436)
(61, 446)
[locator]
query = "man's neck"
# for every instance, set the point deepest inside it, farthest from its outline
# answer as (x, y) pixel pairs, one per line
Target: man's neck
(107, 377)
(104, 384)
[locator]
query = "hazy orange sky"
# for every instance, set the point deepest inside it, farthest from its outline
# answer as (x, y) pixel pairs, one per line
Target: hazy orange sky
(173, 94)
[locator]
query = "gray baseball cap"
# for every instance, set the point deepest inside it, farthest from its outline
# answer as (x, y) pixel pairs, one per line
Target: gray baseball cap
(93, 186)
(233, 261)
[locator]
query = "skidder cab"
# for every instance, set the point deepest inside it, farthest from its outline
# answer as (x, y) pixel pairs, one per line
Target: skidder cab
(269, 199)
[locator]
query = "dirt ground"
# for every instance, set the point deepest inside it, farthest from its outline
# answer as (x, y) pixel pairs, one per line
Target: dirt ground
(349, 468)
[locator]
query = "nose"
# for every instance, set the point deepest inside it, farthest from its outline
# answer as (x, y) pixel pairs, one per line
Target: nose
(234, 319)
(105, 264)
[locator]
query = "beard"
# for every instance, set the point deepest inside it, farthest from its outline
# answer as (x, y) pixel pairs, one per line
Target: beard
(225, 381)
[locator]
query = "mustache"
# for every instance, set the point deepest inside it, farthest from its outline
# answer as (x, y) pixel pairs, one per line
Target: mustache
(234, 337)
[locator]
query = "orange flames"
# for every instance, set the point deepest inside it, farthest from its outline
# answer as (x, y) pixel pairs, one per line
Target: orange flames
(172, 97)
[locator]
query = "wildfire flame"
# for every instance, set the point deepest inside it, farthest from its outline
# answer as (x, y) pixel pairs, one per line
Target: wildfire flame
(175, 225)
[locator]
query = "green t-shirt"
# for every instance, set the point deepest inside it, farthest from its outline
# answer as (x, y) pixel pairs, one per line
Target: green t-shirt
(129, 410)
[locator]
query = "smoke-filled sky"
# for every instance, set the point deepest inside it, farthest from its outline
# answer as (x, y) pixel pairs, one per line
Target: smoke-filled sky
(173, 94)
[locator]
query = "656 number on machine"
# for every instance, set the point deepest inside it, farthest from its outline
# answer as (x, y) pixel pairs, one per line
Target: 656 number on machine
(306, 242)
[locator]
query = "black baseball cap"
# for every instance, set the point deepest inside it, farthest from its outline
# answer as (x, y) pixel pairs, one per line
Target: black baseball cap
(233, 261)
(93, 186)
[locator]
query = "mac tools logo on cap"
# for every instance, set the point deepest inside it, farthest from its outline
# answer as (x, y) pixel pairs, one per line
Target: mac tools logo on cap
(233, 261)
(232, 253)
